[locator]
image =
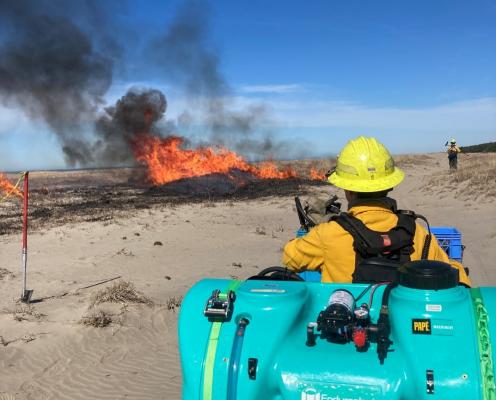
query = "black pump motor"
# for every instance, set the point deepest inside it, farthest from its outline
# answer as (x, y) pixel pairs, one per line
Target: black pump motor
(335, 322)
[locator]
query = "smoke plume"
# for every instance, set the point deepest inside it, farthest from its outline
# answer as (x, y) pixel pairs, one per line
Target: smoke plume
(57, 72)
(136, 112)
(186, 53)
(51, 69)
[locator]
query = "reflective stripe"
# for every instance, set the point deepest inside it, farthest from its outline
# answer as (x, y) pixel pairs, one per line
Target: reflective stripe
(208, 374)
(386, 240)
(484, 342)
(213, 339)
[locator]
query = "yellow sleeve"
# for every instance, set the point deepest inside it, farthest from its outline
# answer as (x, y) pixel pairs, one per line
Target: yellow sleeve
(463, 275)
(305, 253)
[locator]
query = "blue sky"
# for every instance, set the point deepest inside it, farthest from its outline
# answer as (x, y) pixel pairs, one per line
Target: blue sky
(412, 74)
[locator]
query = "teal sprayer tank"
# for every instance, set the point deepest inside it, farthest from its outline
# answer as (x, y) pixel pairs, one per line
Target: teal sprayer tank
(425, 338)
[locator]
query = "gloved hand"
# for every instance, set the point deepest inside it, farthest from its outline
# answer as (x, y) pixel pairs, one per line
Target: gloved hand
(322, 210)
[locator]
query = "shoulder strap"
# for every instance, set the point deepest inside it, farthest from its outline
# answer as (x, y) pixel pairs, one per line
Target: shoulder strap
(369, 243)
(365, 241)
(402, 234)
(428, 238)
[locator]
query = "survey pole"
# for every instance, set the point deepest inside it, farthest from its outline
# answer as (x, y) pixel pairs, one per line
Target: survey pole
(26, 294)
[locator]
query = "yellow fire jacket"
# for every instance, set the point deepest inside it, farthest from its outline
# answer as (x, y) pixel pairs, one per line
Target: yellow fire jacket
(329, 248)
(453, 149)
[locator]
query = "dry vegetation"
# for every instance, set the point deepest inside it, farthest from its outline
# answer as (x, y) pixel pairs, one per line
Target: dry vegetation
(66, 197)
(411, 160)
(5, 273)
(474, 179)
(174, 302)
(120, 292)
(58, 198)
(26, 312)
(302, 167)
(98, 319)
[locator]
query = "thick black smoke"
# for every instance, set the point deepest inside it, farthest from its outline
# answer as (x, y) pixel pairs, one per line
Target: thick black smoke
(135, 113)
(57, 60)
(51, 69)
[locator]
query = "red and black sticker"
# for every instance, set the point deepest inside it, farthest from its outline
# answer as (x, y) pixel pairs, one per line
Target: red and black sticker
(421, 326)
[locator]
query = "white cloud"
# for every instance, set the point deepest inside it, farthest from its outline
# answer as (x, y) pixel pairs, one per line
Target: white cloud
(472, 115)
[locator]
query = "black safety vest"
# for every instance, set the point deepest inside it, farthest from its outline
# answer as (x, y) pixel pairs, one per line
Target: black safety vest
(380, 254)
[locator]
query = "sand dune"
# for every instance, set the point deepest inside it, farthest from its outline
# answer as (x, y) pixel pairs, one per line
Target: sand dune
(48, 354)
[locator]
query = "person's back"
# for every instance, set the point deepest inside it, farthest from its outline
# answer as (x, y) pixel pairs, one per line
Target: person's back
(332, 247)
(453, 151)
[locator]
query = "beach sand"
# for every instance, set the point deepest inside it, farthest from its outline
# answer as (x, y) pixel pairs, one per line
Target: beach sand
(46, 353)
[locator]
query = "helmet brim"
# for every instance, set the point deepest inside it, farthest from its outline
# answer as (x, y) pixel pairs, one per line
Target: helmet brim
(376, 185)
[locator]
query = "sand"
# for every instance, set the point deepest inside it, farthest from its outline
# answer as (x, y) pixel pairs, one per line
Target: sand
(46, 353)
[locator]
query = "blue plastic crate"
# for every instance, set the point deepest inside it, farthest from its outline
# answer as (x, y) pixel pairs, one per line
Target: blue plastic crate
(311, 276)
(308, 276)
(450, 240)
(301, 232)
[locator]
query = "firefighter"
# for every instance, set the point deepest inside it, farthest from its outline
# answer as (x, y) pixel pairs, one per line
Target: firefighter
(373, 237)
(453, 151)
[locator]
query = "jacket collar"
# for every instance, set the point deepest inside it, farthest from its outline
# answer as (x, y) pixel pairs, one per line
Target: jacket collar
(383, 203)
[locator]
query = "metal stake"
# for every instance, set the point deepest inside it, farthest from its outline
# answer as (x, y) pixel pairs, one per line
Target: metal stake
(26, 294)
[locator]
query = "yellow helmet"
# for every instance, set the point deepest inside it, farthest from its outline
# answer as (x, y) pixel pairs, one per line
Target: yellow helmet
(365, 165)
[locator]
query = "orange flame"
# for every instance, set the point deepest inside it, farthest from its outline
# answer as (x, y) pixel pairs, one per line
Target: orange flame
(166, 161)
(316, 175)
(7, 187)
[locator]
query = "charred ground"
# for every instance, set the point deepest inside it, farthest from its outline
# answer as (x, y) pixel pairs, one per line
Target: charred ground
(70, 197)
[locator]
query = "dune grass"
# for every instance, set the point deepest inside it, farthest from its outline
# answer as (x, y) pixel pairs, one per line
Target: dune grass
(97, 319)
(26, 312)
(303, 167)
(475, 178)
(120, 292)
(174, 303)
(411, 160)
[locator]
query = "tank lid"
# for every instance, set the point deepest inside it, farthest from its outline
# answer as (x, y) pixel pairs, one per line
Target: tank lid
(428, 275)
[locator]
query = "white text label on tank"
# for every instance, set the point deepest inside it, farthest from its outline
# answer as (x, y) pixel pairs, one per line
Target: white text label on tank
(433, 307)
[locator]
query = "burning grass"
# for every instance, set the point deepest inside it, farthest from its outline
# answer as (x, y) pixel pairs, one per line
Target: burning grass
(167, 161)
(475, 178)
(313, 168)
(120, 292)
(107, 195)
(7, 189)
